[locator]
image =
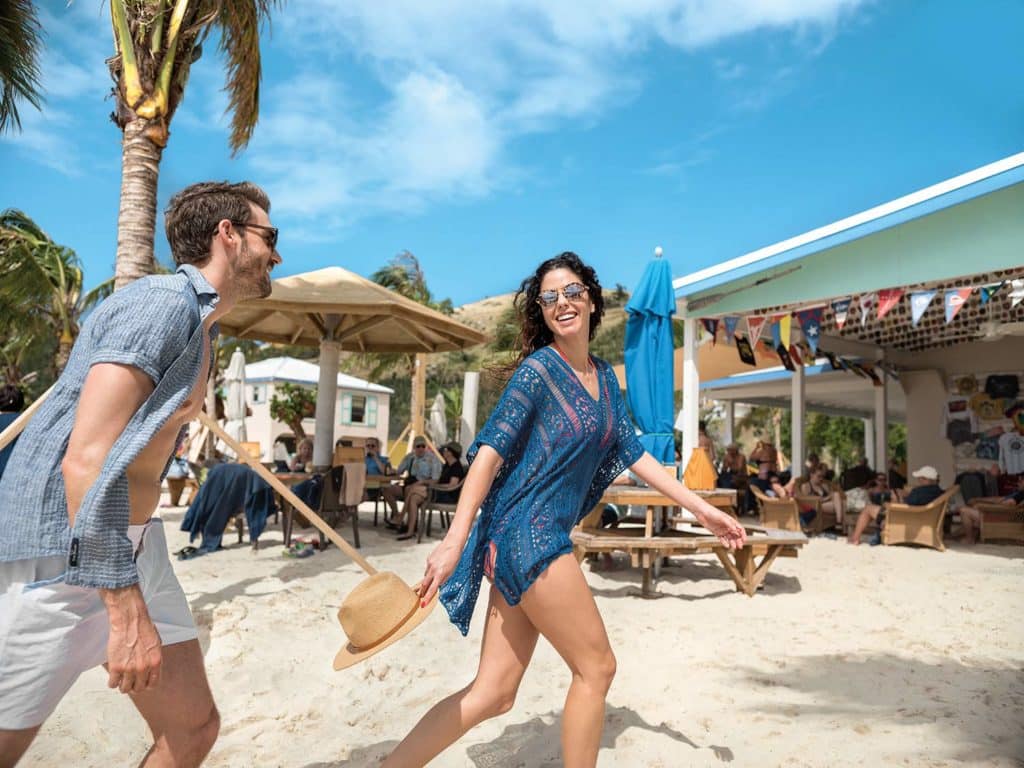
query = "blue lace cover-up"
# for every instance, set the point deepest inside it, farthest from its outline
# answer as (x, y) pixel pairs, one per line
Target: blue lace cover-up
(560, 450)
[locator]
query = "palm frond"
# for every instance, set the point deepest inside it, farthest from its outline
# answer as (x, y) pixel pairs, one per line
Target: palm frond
(20, 44)
(239, 22)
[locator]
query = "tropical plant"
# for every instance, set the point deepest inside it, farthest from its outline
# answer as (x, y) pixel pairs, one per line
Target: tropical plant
(404, 275)
(295, 404)
(20, 46)
(40, 288)
(156, 42)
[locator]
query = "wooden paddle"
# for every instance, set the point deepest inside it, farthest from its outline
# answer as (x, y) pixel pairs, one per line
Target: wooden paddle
(23, 419)
(15, 427)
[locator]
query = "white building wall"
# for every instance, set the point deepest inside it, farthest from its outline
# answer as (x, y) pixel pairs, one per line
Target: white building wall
(926, 391)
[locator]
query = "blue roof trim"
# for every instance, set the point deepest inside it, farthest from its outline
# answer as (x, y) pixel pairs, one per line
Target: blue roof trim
(978, 189)
(740, 380)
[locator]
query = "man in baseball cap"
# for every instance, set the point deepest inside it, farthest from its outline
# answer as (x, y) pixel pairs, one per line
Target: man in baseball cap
(925, 491)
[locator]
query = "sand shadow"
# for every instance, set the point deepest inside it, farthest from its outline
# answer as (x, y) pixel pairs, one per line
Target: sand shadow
(976, 708)
(683, 570)
(535, 742)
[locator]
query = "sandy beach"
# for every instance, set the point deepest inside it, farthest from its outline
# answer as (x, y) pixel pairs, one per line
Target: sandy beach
(868, 656)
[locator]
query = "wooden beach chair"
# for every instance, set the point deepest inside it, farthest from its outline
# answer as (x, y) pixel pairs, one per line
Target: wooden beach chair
(781, 514)
(1001, 521)
(824, 520)
(922, 525)
(444, 510)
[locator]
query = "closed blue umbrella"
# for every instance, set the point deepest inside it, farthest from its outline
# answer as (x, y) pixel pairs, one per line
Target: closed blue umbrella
(649, 359)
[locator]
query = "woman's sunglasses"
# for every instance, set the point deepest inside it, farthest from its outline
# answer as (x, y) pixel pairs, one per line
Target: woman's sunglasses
(572, 292)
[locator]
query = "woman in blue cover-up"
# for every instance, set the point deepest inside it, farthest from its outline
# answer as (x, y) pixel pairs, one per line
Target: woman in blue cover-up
(557, 438)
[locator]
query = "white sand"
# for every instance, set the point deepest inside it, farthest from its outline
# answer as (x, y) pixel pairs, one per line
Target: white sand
(869, 656)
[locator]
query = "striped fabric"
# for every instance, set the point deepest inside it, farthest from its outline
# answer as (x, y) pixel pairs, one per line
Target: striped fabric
(154, 324)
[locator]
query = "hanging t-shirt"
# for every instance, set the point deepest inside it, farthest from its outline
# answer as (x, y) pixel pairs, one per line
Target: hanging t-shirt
(1011, 453)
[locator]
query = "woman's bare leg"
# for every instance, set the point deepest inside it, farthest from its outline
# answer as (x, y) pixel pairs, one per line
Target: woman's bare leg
(509, 640)
(839, 507)
(561, 607)
(869, 513)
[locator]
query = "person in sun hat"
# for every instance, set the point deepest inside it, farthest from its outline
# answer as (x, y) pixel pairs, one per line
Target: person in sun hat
(84, 574)
(925, 491)
(557, 437)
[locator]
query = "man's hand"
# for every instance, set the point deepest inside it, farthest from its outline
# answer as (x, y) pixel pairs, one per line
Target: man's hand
(134, 650)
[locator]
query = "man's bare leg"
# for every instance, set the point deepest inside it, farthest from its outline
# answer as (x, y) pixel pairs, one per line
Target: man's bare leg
(13, 745)
(180, 711)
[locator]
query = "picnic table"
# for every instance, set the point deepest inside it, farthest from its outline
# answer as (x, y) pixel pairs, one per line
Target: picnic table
(647, 547)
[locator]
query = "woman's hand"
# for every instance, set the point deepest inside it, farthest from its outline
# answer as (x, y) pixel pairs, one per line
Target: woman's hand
(440, 564)
(725, 527)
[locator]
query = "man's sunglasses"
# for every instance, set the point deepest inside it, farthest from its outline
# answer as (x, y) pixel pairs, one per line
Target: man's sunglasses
(270, 238)
(572, 292)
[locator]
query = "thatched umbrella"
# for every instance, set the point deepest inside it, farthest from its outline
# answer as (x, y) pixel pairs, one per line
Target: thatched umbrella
(335, 309)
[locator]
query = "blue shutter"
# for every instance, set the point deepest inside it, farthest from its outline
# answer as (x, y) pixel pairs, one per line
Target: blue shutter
(346, 409)
(371, 410)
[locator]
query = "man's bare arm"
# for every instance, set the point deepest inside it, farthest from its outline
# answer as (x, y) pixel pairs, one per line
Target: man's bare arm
(111, 395)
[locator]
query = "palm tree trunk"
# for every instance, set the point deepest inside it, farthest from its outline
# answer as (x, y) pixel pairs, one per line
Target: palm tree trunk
(136, 220)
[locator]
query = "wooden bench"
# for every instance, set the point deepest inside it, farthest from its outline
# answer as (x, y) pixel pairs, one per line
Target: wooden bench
(646, 550)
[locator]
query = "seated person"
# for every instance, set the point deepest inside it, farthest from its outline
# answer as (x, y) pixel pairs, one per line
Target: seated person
(451, 475)
(280, 454)
(765, 456)
(376, 465)
(303, 459)
(420, 466)
(879, 491)
(970, 516)
(925, 492)
(227, 490)
(733, 473)
(832, 500)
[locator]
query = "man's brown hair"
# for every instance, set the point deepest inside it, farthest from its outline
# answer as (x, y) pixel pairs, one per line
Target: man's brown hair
(192, 215)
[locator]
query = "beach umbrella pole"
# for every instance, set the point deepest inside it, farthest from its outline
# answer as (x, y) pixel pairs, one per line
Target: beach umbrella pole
(286, 493)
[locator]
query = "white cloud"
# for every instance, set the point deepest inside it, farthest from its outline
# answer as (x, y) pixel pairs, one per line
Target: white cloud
(457, 80)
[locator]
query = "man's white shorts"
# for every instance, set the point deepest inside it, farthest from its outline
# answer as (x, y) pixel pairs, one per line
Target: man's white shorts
(50, 632)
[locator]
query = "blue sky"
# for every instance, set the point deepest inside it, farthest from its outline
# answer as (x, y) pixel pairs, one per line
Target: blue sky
(485, 137)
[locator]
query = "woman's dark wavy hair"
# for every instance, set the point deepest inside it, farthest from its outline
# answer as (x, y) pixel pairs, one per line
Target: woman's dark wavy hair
(533, 331)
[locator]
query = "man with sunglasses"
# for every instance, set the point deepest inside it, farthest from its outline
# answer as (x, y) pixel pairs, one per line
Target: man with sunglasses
(421, 466)
(84, 573)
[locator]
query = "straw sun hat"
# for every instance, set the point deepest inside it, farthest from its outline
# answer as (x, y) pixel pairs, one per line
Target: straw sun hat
(380, 610)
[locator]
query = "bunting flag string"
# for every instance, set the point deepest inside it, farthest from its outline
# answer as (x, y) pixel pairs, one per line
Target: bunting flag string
(711, 326)
(755, 327)
(1016, 292)
(810, 324)
(840, 309)
(745, 350)
(867, 301)
(989, 291)
(954, 301)
(776, 332)
(785, 325)
(794, 353)
(787, 361)
(730, 327)
(919, 301)
(888, 299)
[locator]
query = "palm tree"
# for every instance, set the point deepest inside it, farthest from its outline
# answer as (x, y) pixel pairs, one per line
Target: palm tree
(156, 42)
(40, 288)
(20, 35)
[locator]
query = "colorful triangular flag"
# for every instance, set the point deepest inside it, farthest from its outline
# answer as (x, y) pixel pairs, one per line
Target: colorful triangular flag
(990, 290)
(1016, 292)
(955, 301)
(867, 301)
(746, 352)
(711, 326)
(919, 301)
(794, 353)
(755, 327)
(888, 299)
(776, 331)
(810, 324)
(787, 361)
(840, 309)
(730, 327)
(832, 361)
(785, 327)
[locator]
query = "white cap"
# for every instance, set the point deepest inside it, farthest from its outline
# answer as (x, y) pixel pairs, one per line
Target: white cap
(927, 472)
